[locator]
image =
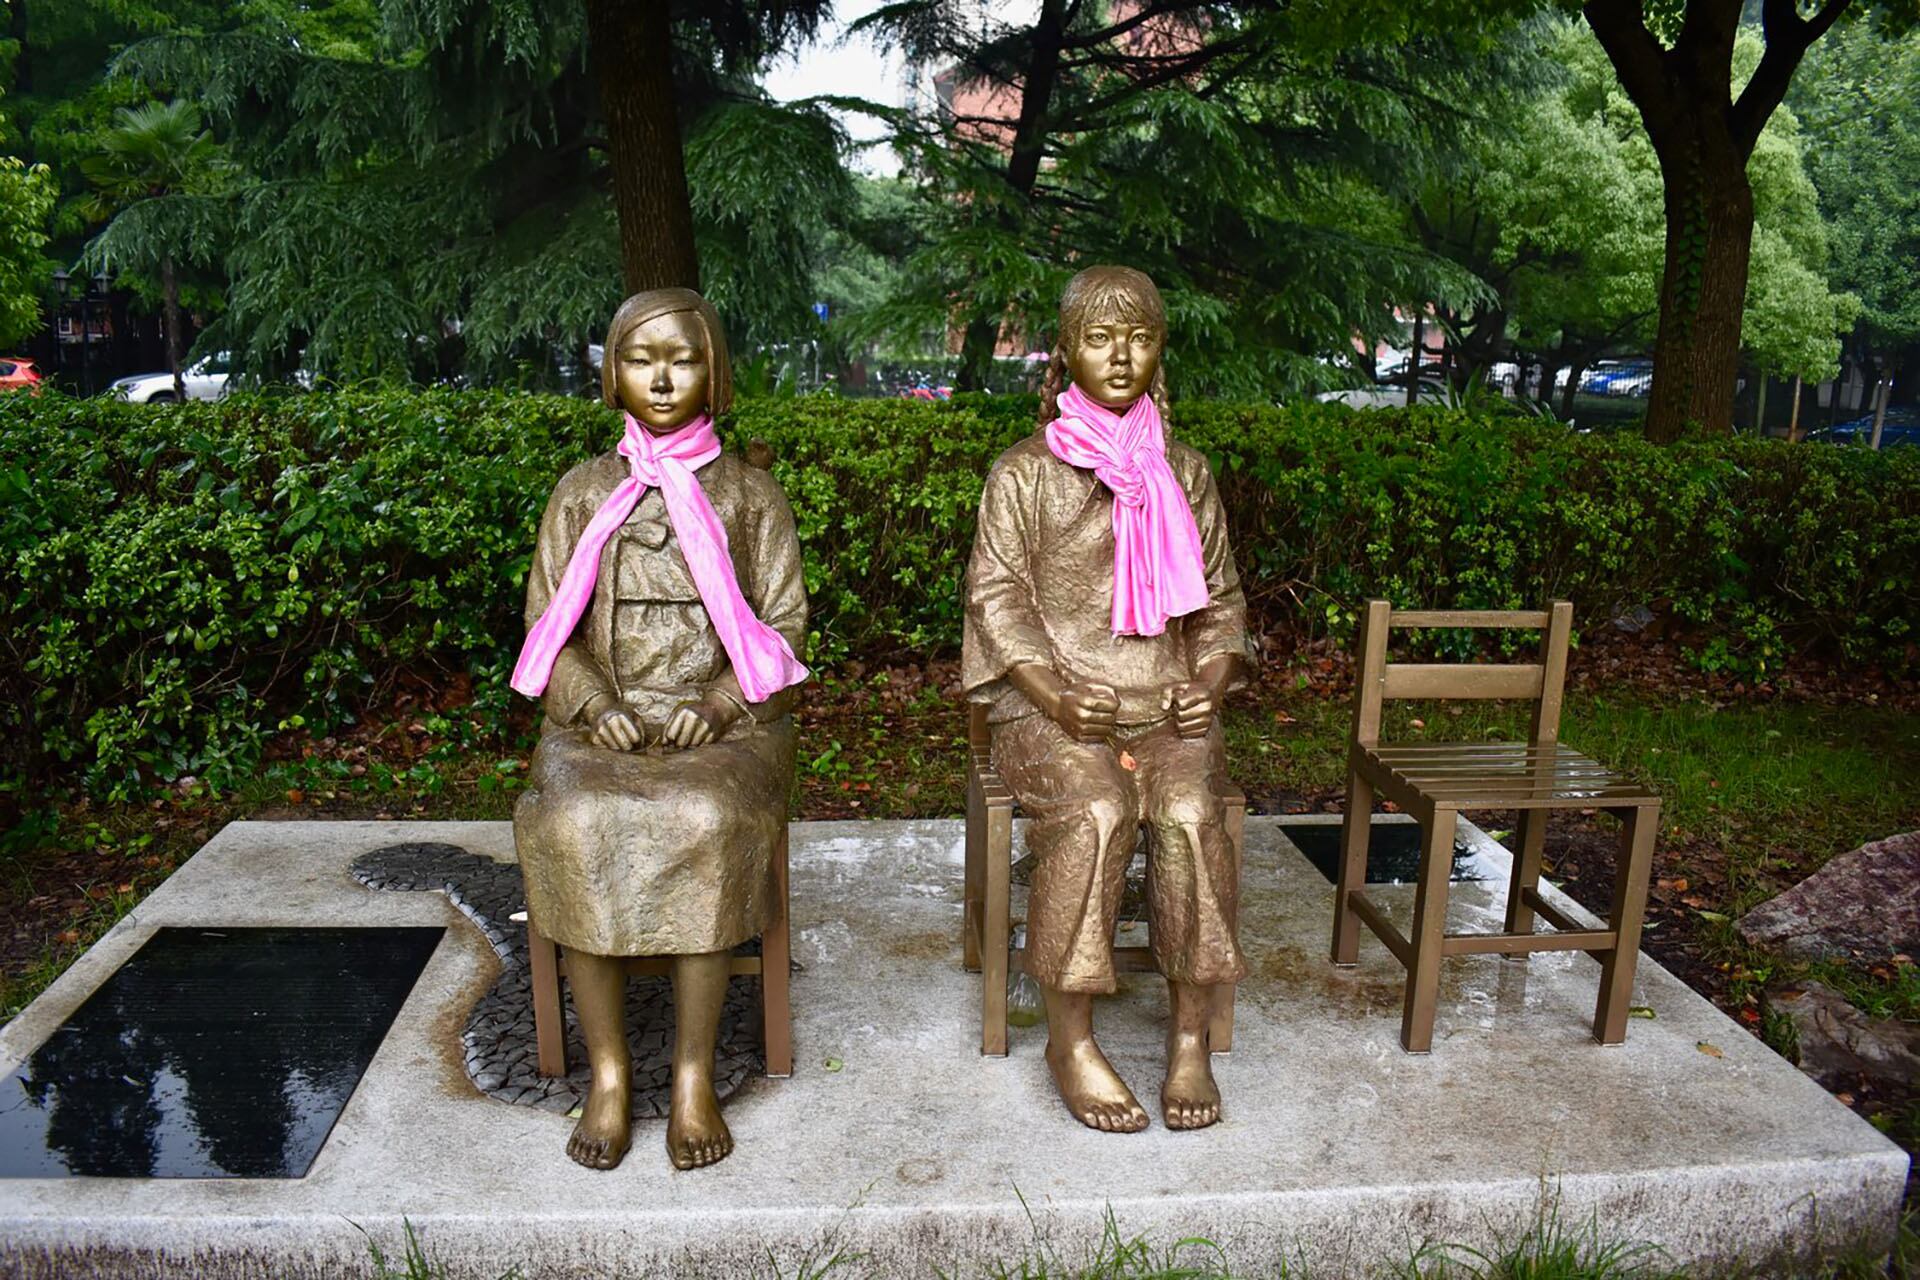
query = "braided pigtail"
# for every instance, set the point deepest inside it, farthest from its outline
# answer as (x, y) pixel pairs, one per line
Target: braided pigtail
(1052, 385)
(1159, 393)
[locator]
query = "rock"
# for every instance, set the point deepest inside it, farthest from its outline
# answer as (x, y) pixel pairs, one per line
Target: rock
(1866, 902)
(1839, 1043)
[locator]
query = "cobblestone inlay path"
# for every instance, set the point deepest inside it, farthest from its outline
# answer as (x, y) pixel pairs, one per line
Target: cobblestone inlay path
(498, 1040)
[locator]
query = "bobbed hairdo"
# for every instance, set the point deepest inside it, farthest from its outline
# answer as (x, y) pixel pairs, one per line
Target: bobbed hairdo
(1103, 293)
(651, 304)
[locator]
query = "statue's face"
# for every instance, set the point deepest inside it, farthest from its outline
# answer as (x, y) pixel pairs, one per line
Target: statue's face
(1114, 360)
(662, 374)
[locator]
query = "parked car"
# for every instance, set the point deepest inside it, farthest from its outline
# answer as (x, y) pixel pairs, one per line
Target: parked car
(1619, 378)
(17, 374)
(1902, 427)
(1387, 395)
(204, 379)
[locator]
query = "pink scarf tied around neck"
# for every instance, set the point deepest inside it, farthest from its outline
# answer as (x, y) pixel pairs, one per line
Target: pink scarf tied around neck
(1159, 571)
(762, 659)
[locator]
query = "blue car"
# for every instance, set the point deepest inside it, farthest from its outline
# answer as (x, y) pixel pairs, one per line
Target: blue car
(1902, 427)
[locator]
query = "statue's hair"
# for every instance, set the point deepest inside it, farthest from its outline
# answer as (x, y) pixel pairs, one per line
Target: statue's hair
(1103, 293)
(651, 304)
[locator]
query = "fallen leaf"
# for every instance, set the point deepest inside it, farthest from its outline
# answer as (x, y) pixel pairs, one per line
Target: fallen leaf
(1418, 724)
(127, 887)
(833, 1064)
(1680, 884)
(1641, 1011)
(1750, 1016)
(70, 935)
(1715, 917)
(296, 796)
(1845, 1099)
(1711, 1050)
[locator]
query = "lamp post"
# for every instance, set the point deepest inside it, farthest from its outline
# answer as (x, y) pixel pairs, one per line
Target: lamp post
(86, 338)
(98, 285)
(61, 282)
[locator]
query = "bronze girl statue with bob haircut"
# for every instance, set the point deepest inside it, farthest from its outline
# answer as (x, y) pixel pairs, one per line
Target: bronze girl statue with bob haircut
(665, 605)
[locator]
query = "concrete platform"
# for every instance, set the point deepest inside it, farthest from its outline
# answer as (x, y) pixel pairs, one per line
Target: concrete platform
(917, 1153)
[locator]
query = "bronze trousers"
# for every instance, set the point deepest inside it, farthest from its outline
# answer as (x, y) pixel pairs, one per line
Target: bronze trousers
(1085, 807)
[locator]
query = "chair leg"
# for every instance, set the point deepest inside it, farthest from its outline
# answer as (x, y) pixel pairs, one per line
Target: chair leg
(1633, 865)
(776, 973)
(1428, 932)
(996, 925)
(1220, 1027)
(971, 886)
(549, 1018)
(1526, 872)
(1355, 829)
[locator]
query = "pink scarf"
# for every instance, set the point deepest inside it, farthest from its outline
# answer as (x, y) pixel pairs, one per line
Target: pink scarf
(1158, 569)
(762, 659)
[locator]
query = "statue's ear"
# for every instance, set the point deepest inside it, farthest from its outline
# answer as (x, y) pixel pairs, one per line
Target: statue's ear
(760, 454)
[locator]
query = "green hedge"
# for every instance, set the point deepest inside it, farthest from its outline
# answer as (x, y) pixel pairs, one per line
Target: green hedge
(174, 582)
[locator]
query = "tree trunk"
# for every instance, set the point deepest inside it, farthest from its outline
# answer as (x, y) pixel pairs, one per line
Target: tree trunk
(1793, 416)
(1029, 144)
(170, 288)
(1880, 406)
(17, 33)
(1575, 372)
(1703, 134)
(1760, 408)
(1696, 357)
(630, 49)
(1413, 358)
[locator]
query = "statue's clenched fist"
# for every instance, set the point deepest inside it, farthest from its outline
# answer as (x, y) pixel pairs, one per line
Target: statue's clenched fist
(1085, 709)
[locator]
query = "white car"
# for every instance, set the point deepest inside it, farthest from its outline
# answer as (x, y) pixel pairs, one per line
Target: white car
(204, 379)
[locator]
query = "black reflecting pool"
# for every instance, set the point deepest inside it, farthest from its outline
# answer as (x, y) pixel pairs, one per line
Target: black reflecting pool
(211, 1053)
(1393, 852)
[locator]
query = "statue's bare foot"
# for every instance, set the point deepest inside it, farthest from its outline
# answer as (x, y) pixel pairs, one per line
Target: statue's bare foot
(696, 1135)
(1189, 1099)
(600, 1140)
(1092, 1089)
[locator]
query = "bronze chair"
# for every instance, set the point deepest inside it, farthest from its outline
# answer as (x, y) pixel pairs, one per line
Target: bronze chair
(986, 925)
(1434, 781)
(772, 966)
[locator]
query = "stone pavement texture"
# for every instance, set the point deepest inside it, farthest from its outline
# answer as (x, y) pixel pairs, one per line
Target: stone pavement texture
(914, 1153)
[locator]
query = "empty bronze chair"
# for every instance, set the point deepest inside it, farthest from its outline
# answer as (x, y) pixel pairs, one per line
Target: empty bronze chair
(1435, 781)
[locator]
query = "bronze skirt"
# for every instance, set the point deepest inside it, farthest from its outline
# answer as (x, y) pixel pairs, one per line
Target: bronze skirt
(637, 853)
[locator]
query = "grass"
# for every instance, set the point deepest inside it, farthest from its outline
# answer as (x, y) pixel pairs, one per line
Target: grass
(1547, 1250)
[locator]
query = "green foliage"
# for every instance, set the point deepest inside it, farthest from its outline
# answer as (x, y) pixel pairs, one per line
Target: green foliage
(421, 187)
(1246, 157)
(178, 583)
(26, 201)
(1859, 100)
(1560, 211)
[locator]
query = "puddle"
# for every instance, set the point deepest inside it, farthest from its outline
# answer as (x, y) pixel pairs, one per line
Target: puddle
(211, 1053)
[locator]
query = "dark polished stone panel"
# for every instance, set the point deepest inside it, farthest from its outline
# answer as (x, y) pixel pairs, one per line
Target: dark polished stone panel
(211, 1053)
(1393, 852)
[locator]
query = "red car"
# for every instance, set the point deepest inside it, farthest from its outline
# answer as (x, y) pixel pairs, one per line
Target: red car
(19, 375)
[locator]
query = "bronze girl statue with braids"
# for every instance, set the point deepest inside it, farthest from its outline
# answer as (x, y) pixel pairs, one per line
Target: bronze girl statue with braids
(1104, 624)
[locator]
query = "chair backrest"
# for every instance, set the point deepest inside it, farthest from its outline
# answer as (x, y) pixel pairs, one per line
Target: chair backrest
(1542, 681)
(978, 737)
